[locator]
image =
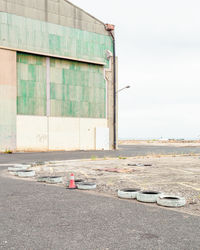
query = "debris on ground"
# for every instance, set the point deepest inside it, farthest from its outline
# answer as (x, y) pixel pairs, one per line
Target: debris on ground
(178, 175)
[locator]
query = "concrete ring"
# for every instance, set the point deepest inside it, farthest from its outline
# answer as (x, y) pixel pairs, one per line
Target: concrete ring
(26, 173)
(128, 193)
(86, 186)
(148, 196)
(171, 201)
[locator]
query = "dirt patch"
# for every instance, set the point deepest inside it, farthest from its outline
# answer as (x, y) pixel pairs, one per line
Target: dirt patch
(171, 143)
(178, 175)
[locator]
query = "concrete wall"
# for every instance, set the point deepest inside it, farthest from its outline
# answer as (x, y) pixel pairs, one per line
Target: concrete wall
(37, 133)
(54, 11)
(32, 133)
(88, 132)
(110, 101)
(7, 100)
(64, 133)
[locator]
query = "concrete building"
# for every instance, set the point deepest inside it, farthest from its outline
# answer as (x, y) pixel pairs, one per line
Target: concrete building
(57, 80)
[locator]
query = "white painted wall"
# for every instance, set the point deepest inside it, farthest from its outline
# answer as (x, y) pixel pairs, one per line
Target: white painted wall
(32, 133)
(102, 138)
(64, 133)
(56, 133)
(88, 133)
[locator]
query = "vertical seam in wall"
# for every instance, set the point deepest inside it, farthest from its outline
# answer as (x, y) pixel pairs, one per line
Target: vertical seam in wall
(48, 96)
(16, 95)
(79, 133)
(46, 10)
(106, 94)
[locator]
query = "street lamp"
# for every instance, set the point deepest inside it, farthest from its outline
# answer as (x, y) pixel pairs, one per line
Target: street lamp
(127, 87)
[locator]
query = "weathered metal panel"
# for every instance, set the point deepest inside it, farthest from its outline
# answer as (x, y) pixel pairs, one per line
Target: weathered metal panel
(54, 11)
(7, 100)
(33, 35)
(77, 89)
(31, 78)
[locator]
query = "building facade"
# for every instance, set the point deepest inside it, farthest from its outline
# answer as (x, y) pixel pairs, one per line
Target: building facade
(56, 78)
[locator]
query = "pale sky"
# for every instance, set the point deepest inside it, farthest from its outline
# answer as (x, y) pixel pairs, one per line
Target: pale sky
(158, 45)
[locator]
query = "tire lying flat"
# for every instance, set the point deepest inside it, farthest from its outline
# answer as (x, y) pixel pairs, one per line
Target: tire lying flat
(42, 178)
(148, 196)
(171, 201)
(26, 173)
(54, 179)
(86, 186)
(128, 193)
(18, 167)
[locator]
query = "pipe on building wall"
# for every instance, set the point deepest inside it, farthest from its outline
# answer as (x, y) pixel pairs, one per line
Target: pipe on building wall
(110, 28)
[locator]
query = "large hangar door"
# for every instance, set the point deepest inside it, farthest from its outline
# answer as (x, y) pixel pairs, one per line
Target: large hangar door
(60, 103)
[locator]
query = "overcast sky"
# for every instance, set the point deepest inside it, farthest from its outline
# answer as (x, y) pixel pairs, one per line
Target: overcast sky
(158, 45)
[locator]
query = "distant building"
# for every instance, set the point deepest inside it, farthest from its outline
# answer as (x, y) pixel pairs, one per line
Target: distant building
(56, 78)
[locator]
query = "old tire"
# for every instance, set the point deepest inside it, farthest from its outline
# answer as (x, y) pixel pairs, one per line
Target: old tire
(26, 173)
(86, 186)
(18, 167)
(128, 193)
(54, 179)
(77, 181)
(171, 201)
(38, 163)
(42, 178)
(148, 196)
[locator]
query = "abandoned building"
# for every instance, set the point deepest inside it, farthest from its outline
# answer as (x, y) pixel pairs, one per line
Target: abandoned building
(57, 78)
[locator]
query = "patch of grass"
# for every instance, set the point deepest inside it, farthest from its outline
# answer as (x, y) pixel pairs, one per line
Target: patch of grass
(122, 158)
(93, 157)
(8, 151)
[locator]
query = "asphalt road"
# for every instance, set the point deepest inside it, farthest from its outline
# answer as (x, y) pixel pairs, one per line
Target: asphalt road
(38, 216)
(125, 151)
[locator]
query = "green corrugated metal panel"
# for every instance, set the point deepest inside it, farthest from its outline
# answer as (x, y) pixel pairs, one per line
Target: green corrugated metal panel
(34, 35)
(31, 90)
(77, 89)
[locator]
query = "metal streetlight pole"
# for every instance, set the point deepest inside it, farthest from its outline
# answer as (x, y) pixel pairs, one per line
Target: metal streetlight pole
(127, 87)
